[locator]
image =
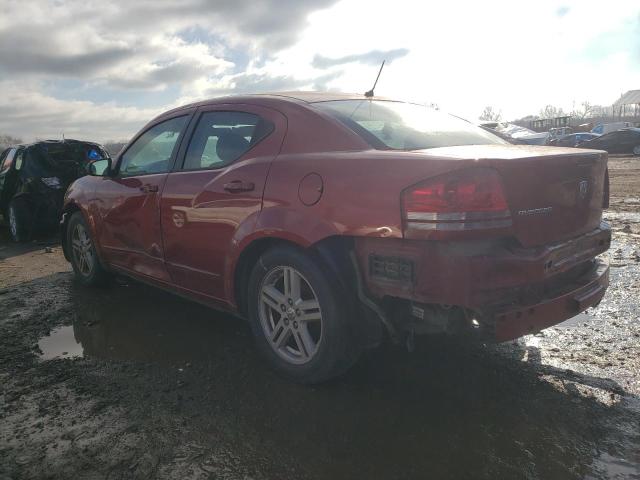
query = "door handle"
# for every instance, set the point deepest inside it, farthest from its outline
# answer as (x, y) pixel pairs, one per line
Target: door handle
(239, 186)
(148, 188)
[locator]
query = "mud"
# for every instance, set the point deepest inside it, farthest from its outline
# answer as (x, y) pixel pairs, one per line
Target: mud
(130, 382)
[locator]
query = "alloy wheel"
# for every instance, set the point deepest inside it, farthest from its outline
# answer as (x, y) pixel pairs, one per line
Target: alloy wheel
(290, 315)
(82, 251)
(636, 150)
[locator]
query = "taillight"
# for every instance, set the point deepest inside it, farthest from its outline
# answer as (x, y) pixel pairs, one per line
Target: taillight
(470, 199)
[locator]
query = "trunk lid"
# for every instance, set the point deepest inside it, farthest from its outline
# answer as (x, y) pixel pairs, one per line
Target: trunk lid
(553, 193)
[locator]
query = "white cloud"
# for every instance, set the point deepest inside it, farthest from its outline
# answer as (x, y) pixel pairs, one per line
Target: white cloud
(463, 55)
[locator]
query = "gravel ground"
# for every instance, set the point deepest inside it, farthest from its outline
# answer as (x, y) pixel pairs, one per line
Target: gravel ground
(129, 382)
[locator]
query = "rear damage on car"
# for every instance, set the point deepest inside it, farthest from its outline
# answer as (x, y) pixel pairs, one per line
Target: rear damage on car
(501, 247)
(48, 168)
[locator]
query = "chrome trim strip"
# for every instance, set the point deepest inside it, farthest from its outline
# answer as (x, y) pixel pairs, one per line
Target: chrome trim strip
(453, 226)
(457, 216)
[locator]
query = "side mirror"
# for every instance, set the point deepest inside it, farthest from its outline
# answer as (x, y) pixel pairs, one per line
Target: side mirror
(99, 168)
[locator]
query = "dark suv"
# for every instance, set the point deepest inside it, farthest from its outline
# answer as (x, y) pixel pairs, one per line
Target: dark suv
(33, 179)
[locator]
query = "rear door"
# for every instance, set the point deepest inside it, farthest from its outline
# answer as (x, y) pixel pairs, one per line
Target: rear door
(627, 140)
(129, 202)
(215, 190)
(612, 142)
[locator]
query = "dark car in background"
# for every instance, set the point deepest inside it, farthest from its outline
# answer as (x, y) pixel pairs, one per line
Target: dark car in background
(573, 139)
(34, 178)
(621, 141)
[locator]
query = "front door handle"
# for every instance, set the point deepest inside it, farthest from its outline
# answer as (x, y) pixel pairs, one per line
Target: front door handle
(239, 186)
(148, 188)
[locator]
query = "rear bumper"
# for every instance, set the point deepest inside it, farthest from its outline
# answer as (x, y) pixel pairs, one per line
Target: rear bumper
(513, 290)
(566, 302)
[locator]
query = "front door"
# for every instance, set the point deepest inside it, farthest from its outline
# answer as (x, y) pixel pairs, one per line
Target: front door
(129, 202)
(216, 190)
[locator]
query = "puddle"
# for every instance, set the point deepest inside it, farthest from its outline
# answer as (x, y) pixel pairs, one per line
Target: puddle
(143, 324)
(60, 343)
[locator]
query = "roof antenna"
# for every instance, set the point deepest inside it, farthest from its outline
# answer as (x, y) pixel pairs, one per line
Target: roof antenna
(369, 94)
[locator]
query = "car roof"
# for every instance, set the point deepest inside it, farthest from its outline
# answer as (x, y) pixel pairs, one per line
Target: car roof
(295, 97)
(53, 142)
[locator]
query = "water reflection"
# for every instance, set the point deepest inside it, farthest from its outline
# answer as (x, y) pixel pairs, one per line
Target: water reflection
(134, 322)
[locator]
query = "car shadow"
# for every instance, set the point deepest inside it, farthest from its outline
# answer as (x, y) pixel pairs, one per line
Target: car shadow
(9, 248)
(448, 410)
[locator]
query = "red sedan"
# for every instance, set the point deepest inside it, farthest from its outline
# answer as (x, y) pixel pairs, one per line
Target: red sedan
(331, 222)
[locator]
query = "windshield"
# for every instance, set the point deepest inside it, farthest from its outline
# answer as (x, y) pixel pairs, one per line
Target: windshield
(406, 126)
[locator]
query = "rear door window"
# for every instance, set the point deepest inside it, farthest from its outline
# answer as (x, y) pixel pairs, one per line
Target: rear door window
(222, 137)
(153, 151)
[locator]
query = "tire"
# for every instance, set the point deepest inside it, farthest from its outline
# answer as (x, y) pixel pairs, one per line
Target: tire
(20, 220)
(636, 150)
(84, 259)
(311, 339)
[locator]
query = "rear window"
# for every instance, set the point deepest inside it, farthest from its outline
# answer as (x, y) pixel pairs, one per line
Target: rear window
(62, 159)
(406, 126)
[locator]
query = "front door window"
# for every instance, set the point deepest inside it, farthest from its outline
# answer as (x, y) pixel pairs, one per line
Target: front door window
(153, 150)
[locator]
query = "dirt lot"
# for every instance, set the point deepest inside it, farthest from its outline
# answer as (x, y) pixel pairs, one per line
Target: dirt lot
(130, 382)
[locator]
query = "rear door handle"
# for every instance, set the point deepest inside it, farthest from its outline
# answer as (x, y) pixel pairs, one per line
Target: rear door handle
(148, 188)
(239, 186)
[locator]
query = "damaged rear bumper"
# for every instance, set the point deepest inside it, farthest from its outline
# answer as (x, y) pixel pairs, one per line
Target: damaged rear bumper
(586, 291)
(510, 291)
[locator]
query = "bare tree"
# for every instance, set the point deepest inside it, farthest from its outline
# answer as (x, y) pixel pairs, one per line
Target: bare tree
(551, 112)
(8, 140)
(490, 115)
(586, 110)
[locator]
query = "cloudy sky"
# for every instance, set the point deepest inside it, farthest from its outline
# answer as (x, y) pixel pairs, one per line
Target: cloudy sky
(97, 69)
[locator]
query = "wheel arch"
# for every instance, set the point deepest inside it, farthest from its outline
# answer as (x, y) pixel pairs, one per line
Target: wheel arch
(67, 211)
(333, 255)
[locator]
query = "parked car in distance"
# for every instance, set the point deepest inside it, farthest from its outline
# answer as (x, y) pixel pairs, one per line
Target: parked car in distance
(558, 133)
(333, 221)
(33, 179)
(604, 128)
(573, 139)
(621, 141)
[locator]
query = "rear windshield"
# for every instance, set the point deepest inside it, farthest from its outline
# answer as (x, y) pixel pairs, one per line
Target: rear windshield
(406, 126)
(60, 159)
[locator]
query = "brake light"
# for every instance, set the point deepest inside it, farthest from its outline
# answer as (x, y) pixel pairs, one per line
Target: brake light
(467, 200)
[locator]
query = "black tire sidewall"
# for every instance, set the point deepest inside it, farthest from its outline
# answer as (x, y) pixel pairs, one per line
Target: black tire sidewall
(97, 275)
(333, 355)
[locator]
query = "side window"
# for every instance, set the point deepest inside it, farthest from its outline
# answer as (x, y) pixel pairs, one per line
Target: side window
(19, 158)
(222, 137)
(7, 160)
(152, 152)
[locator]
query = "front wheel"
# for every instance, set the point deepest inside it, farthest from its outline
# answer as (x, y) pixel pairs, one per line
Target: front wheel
(84, 259)
(299, 318)
(636, 150)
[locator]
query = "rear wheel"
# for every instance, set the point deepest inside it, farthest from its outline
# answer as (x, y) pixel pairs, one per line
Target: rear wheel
(636, 150)
(299, 318)
(20, 220)
(84, 259)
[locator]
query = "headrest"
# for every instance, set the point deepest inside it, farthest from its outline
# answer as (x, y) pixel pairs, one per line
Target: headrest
(231, 146)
